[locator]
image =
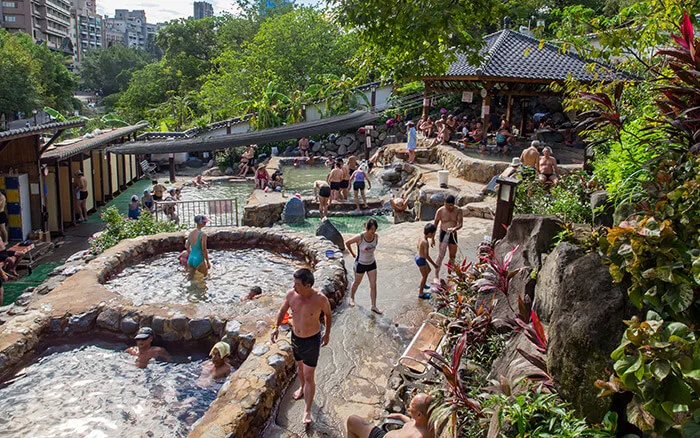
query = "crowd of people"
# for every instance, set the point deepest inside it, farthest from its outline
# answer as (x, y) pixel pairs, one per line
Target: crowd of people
(158, 193)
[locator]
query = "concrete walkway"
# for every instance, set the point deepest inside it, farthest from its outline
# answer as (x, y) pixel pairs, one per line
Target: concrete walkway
(353, 371)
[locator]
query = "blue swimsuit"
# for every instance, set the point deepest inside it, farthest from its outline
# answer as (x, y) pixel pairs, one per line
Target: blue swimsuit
(196, 256)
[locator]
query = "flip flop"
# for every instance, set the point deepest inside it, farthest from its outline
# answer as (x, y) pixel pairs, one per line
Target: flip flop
(424, 296)
(377, 311)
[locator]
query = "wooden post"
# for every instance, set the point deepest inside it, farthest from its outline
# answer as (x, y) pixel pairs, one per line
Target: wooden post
(58, 199)
(171, 163)
(485, 110)
(72, 191)
(523, 116)
(373, 98)
(509, 111)
(426, 99)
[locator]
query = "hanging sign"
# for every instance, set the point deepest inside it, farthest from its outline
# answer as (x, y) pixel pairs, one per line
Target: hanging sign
(467, 96)
(485, 110)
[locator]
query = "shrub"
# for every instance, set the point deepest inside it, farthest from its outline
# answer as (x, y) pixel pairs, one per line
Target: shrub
(118, 228)
(569, 198)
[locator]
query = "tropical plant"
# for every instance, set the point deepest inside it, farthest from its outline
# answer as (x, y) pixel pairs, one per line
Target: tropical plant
(535, 413)
(534, 332)
(569, 198)
(456, 400)
(267, 110)
(496, 276)
(118, 228)
(659, 362)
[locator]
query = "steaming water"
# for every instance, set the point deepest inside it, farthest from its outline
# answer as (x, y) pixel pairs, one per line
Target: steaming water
(301, 180)
(97, 391)
(232, 274)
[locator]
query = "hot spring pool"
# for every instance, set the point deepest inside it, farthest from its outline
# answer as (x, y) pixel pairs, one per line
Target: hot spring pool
(301, 180)
(232, 274)
(95, 390)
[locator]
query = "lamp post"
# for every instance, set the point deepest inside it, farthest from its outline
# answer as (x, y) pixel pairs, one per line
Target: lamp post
(368, 140)
(34, 112)
(505, 205)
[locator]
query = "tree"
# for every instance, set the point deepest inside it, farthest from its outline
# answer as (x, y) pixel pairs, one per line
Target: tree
(268, 109)
(292, 50)
(148, 87)
(109, 70)
(32, 76)
(410, 39)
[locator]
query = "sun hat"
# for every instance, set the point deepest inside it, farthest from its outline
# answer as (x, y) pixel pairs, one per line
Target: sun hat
(144, 333)
(515, 162)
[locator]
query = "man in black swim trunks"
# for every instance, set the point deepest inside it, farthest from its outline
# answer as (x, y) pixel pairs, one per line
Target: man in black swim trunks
(449, 219)
(335, 178)
(322, 193)
(306, 304)
(417, 425)
(82, 195)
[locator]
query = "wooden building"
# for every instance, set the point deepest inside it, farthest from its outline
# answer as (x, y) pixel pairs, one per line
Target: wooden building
(49, 170)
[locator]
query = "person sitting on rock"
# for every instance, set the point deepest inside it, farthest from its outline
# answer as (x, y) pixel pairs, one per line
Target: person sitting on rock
(218, 367)
(276, 181)
(144, 351)
(262, 178)
(416, 426)
(530, 157)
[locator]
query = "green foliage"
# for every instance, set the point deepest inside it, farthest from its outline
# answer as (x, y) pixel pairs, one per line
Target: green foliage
(32, 76)
(659, 362)
(292, 51)
(569, 198)
(536, 414)
(118, 228)
(411, 39)
(228, 158)
(108, 70)
(149, 87)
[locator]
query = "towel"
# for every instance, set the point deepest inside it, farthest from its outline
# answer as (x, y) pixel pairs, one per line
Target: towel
(222, 347)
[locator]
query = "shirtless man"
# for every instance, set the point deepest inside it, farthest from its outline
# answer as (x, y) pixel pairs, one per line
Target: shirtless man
(3, 219)
(548, 167)
(415, 426)
(334, 179)
(531, 156)
(218, 367)
(304, 147)
(81, 186)
(322, 193)
(143, 351)
(345, 183)
(448, 219)
(306, 304)
(158, 190)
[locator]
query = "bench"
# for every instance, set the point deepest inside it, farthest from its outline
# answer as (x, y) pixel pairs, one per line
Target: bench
(413, 364)
(148, 168)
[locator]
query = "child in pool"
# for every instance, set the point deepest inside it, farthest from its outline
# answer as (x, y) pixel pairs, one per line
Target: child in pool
(183, 258)
(423, 258)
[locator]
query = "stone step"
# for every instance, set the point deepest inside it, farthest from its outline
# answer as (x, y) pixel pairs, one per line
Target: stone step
(345, 206)
(363, 212)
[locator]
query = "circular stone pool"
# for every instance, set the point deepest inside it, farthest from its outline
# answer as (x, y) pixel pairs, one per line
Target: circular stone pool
(162, 279)
(95, 390)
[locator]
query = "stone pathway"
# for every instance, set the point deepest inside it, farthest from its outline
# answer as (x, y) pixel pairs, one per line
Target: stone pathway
(354, 368)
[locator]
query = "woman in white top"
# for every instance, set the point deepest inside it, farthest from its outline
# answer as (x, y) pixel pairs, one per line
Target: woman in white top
(364, 262)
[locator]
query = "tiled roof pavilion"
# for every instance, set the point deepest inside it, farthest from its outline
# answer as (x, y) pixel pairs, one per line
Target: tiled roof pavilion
(517, 59)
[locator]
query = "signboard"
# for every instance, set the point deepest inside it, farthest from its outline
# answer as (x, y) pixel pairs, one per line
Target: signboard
(426, 102)
(368, 142)
(467, 96)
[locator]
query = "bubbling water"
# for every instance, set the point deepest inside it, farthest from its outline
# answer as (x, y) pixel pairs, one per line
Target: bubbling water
(96, 390)
(231, 276)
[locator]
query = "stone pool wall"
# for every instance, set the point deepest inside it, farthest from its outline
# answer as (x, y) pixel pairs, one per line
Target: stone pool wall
(82, 306)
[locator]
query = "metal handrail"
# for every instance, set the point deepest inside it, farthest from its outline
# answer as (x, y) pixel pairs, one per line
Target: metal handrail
(221, 212)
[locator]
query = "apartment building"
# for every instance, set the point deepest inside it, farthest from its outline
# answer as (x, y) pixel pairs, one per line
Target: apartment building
(129, 28)
(45, 20)
(203, 10)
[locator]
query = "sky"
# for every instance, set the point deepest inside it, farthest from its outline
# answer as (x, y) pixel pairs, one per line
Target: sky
(161, 11)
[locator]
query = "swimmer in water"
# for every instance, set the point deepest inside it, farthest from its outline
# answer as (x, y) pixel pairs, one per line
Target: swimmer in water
(218, 367)
(196, 244)
(254, 293)
(144, 351)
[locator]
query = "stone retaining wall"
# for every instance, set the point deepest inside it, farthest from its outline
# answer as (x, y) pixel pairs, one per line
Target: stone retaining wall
(82, 306)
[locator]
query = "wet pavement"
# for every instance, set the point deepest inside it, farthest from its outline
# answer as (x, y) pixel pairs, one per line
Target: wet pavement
(353, 371)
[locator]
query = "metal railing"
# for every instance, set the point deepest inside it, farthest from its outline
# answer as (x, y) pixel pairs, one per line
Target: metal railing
(221, 212)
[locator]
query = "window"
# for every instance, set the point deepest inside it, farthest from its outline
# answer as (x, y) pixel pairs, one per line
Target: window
(10, 18)
(9, 4)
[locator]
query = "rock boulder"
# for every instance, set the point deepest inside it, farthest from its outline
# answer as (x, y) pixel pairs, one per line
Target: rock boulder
(587, 313)
(294, 212)
(330, 232)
